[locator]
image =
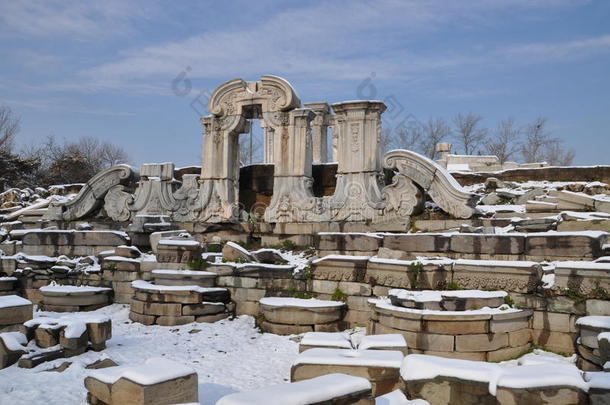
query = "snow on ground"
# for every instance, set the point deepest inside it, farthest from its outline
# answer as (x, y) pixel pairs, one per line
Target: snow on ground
(229, 356)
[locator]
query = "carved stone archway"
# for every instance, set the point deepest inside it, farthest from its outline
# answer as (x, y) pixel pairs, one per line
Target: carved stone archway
(287, 129)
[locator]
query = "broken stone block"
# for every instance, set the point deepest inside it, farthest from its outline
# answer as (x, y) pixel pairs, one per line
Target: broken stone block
(156, 382)
(14, 310)
(31, 360)
(178, 250)
(232, 252)
(47, 335)
(12, 347)
(539, 384)
(380, 367)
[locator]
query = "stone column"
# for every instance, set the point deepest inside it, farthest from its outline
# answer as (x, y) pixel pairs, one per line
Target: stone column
(268, 142)
(319, 131)
(218, 191)
(357, 195)
(292, 199)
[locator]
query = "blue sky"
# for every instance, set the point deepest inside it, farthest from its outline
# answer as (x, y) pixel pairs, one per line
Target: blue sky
(105, 69)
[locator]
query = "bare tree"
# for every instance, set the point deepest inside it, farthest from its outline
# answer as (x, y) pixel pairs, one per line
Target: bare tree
(112, 155)
(72, 162)
(387, 140)
(434, 131)
(504, 142)
(404, 137)
(247, 156)
(536, 137)
(9, 127)
(555, 153)
(468, 132)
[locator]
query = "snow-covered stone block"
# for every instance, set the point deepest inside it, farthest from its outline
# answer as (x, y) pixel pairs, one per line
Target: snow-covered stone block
(12, 347)
(232, 252)
(380, 367)
(296, 311)
(14, 310)
(64, 298)
(156, 382)
(184, 277)
(330, 389)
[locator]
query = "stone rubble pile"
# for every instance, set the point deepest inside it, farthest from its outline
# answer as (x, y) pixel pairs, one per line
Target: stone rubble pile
(55, 337)
(592, 344)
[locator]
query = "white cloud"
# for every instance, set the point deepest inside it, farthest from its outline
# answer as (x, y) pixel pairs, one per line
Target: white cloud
(60, 104)
(542, 52)
(73, 19)
(326, 41)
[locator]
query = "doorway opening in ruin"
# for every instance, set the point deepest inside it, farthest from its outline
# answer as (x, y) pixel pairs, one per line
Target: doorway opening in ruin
(252, 140)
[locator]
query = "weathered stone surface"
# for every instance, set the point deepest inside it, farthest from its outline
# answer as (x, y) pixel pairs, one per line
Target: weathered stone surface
(192, 298)
(346, 242)
(566, 245)
(554, 321)
(154, 308)
(583, 278)
(497, 275)
(178, 250)
(510, 322)
(75, 238)
(283, 329)
(46, 337)
(401, 274)
(143, 319)
(76, 299)
(338, 268)
(202, 309)
(430, 242)
(455, 327)
(519, 337)
(481, 343)
(507, 353)
(294, 313)
(232, 252)
(78, 344)
(598, 307)
(211, 318)
(450, 391)
(488, 244)
(549, 395)
(556, 341)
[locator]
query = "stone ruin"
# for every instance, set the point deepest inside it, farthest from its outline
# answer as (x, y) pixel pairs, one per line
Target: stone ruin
(295, 138)
(449, 274)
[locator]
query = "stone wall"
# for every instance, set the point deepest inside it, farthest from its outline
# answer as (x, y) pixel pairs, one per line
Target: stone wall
(571, 173)
(513, 246)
